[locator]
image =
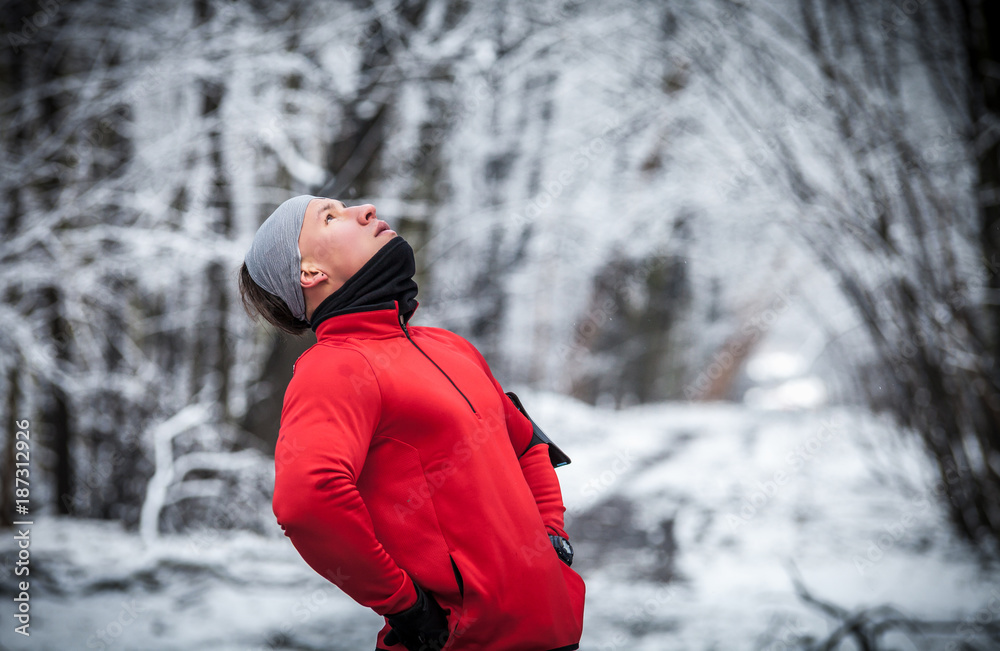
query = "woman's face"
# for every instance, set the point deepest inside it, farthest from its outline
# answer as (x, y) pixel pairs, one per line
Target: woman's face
(335, 242)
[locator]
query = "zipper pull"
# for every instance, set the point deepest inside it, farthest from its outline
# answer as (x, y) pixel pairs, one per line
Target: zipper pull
(403, 323)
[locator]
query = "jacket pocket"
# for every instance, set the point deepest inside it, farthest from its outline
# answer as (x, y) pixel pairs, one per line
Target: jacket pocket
(458, 577)
(400, 502)
(577, 592)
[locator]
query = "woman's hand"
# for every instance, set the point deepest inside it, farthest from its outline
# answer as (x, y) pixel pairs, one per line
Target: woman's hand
(421, 627)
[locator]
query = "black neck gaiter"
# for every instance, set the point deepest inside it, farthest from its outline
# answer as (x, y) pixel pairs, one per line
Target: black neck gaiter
(386, 277)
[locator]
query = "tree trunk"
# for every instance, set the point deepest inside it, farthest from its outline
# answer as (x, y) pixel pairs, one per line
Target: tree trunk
(983, 42)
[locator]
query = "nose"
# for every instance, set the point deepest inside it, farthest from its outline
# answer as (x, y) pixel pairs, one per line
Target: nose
(365, 213)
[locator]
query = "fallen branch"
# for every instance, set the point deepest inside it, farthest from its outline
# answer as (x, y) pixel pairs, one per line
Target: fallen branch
(867, 625)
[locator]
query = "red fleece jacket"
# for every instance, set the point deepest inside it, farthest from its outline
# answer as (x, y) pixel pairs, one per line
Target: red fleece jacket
(401, 459)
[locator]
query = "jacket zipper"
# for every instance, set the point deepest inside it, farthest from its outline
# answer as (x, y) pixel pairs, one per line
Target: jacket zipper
(407, 333)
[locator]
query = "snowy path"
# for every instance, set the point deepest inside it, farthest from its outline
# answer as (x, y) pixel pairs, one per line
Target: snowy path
(685, 519)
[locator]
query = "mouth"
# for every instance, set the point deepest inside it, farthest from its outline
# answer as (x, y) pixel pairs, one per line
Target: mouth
(382, 227)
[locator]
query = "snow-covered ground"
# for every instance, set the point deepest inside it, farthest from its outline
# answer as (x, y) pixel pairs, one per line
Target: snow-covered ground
(689, 521)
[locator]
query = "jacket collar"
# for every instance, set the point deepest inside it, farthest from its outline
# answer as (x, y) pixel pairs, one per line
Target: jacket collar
(376, 323)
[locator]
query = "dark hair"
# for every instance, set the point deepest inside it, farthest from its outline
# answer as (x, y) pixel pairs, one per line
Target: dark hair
(257, 301)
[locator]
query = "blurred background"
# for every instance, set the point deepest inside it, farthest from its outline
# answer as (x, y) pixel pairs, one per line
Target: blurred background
(739, 259)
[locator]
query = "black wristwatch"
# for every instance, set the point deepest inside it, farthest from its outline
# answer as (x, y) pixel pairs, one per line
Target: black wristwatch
(563, 548)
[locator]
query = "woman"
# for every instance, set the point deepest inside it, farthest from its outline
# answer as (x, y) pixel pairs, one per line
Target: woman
(403, 472)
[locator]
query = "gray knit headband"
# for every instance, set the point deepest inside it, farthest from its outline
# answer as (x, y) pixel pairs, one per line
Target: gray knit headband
(274, 260)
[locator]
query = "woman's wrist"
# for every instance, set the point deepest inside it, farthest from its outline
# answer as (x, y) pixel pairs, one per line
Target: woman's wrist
(416, 607)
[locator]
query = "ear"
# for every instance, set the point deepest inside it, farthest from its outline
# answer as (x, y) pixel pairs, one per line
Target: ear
(311, 277)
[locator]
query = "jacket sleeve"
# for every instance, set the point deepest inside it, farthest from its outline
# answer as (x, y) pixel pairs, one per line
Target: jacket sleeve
(330, 413)
(535, 463)
(541, 477)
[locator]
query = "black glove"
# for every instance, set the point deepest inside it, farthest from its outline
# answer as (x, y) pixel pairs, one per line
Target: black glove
(563, 548)
(421, 627)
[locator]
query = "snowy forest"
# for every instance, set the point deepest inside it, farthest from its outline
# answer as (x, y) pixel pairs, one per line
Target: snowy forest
(739, 258)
